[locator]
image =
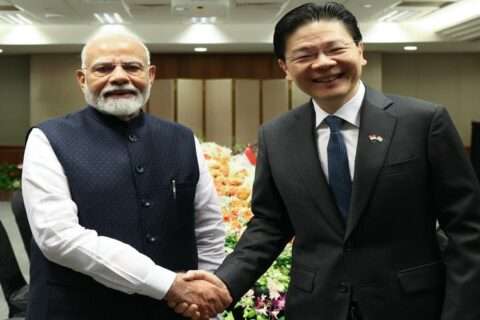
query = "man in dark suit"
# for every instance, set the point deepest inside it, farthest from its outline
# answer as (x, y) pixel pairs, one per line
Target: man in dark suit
(358, 180)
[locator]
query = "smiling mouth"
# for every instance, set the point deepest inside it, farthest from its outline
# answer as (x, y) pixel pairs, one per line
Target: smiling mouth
(119, 93)
(328, 79)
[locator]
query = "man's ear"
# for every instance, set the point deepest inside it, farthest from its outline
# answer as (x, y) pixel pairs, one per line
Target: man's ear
(283, 66)
(361, 48)
(152, 69)
(80, 74)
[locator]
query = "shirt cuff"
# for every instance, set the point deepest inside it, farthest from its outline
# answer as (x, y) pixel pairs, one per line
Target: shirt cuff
(158, 282)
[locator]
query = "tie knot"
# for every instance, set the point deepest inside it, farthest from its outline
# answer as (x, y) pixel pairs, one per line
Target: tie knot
(335, 123)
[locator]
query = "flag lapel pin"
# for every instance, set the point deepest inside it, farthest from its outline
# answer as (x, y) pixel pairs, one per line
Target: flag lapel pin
(375, 138)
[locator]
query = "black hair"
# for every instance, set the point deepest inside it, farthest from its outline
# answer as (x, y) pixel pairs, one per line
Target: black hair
(311, 12)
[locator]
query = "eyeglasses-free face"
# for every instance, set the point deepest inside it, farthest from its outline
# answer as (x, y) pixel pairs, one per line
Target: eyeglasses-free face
(324, 61)
(332, 50)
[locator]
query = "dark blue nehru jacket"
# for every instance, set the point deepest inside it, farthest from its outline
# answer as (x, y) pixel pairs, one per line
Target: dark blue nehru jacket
(132, 181)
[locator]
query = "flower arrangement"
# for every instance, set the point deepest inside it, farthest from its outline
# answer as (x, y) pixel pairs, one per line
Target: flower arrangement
(10, 176)
(233, 178)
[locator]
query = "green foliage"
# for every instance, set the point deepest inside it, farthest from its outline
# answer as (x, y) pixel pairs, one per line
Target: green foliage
(238, 148)
(266, 300)
(10, 177)
(230, 242)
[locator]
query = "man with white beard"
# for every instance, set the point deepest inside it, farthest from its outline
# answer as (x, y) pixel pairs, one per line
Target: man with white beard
(119, 202)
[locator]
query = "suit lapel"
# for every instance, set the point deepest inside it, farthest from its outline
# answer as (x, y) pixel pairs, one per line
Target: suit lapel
(301, 141)
(375, 134)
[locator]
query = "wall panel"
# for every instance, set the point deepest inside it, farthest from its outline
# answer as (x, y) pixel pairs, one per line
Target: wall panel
(470, 90)
(11, 154)
(162, 99)
(274, 98)
(218, 111)
(247, 110)
(53, 87)
(190, 104)
(372, 72)
(15, 99)
(217, 66)
(447, 79)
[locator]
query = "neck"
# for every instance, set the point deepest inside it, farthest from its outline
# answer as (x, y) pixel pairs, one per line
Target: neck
(328, 106)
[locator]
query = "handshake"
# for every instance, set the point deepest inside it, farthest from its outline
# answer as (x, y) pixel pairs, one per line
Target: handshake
(198, 294)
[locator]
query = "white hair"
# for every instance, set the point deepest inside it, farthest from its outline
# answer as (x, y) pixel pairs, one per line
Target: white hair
(111, 34)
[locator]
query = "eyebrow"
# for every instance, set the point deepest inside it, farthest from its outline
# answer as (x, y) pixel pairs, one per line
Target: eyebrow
(300, 51)
(303, 48)
(325, 44)
(100, 61)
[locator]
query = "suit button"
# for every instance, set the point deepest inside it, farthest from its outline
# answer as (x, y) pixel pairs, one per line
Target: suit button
(132, 138)
(344, 287)
(150, 238)
(139, 169)
(146, 204)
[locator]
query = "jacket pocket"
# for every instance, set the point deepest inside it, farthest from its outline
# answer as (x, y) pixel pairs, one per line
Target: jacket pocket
(302, 279)
(422, 278)
(399, 167)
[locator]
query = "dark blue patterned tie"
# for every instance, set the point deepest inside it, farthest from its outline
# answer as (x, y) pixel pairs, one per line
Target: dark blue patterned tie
(338, 172)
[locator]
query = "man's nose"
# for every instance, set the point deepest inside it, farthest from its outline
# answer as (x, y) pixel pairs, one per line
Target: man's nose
(119, 75)
(323, 61)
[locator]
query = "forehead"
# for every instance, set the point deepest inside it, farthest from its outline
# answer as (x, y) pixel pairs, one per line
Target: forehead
(318, 32)
(114, 49)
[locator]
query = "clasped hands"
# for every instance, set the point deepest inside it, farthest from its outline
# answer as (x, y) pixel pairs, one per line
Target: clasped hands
(198, 295)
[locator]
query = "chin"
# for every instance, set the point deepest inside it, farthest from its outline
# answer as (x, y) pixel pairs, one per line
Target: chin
(119, 107)
(330, 94)
(334, 92)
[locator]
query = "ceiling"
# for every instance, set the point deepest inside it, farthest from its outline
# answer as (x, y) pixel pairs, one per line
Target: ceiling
(31, 26)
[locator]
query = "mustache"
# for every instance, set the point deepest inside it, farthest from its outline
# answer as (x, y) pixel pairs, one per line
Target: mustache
(114, 89)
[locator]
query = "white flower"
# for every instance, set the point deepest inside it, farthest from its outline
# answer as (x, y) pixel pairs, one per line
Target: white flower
(274, 287)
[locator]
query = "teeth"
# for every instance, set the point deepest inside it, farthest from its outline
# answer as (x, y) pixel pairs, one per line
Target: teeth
(327, 79)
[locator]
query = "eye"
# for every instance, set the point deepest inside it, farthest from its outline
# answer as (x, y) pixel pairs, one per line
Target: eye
(335, 50)
(304, 57)
(103, 68)
(133, 67)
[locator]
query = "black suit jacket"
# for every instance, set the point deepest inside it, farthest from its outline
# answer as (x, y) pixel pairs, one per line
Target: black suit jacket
(386, 257)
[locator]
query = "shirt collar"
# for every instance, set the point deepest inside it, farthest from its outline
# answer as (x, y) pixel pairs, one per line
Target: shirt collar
(350, 111)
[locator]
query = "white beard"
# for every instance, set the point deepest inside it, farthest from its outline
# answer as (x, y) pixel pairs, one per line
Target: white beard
(119, 107)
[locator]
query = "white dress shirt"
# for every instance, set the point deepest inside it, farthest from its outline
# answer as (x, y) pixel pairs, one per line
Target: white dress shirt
(53, 218)
(350, 112)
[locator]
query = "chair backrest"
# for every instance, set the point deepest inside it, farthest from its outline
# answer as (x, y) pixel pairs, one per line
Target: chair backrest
(11, 278)
(18, 208)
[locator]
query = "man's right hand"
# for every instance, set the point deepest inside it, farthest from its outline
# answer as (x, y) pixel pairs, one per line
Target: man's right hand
(198, 295)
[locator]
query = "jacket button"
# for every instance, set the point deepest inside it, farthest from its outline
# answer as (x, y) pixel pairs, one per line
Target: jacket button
(146, 204)
(139, 169)
(150, 238)
(132, 138)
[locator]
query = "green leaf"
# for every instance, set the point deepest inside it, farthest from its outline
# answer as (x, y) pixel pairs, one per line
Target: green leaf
(10, 177)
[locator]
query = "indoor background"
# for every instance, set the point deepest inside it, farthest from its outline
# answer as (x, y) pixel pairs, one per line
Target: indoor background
(215, 69)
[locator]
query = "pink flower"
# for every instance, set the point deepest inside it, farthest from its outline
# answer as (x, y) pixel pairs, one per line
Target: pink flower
(279, 303)
(260, 302)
